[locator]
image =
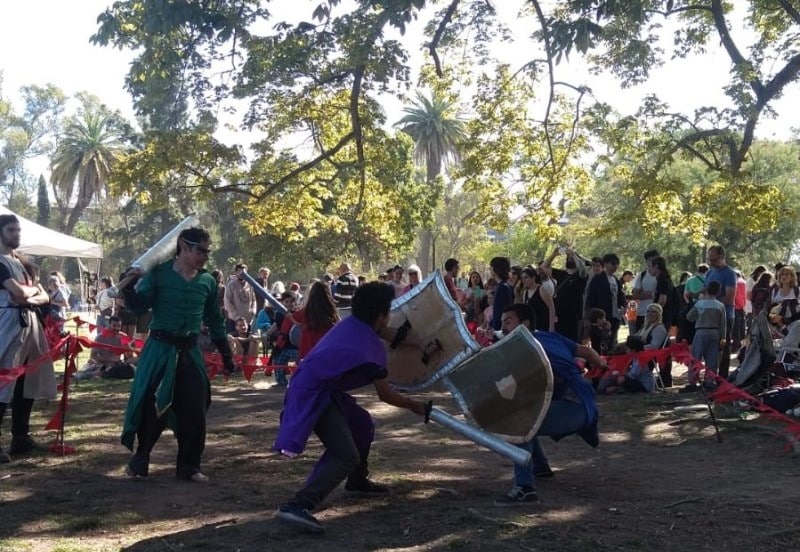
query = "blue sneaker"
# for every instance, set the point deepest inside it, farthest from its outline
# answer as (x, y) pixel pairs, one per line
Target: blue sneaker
(300, 518)
(365, 487)
(519, 496)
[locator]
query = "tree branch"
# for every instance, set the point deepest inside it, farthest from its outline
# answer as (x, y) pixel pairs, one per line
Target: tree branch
(791, 10)
(767, 93)
(550, 74)
(727, 41)
(680, 9)
(270, 187)
(355, 119)
(437, 36)
(687, 141)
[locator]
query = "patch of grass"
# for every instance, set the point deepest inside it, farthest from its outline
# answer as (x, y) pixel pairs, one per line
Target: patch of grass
(68, 546)
(14, 545)
(121, 517)
(83, 523)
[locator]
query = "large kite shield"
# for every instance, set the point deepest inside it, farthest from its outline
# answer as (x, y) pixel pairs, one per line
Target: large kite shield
(436, 339)
(505, 389)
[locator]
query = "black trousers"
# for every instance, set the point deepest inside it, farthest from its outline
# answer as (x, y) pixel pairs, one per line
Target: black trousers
(725, 356)
(569, 327)
(190, 401)
(20, 410)
(347, 432)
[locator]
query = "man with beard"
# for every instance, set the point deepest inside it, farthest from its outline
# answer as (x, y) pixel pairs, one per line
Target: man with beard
(240, 299)
(570, 285)
(22, 340)
(722, 273)
(171, 386)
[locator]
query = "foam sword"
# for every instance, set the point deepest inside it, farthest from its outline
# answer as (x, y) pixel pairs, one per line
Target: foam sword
(489, 440)
(263, 293)
(163, 250)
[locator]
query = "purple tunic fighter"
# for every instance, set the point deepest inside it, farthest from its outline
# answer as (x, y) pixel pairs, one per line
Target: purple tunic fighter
(351, 355)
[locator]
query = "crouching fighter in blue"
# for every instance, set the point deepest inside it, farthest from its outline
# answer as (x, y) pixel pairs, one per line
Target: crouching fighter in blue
(171, 386)
(350, 356)
(573, 409)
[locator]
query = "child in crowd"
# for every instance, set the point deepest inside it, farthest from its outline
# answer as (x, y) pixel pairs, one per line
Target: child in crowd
(599, 331)
(710, 326)
(638, 378)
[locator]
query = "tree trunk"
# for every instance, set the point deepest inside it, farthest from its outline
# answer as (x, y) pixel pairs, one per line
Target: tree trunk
(433, 167)
(74, 216)
(424, 256)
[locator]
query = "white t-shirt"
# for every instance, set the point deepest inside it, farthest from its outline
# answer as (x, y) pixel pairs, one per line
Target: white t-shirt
(646, 283)
(612, 283)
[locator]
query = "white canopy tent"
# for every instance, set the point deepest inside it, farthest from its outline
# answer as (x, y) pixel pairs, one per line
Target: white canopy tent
(44, 242)
(41, 241)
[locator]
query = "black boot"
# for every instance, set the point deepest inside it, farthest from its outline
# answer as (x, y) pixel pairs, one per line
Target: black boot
(22, 445)
(4, 457)
(21, 441)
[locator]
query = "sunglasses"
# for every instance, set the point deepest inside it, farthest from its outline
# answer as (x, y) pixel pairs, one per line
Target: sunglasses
(200, 248)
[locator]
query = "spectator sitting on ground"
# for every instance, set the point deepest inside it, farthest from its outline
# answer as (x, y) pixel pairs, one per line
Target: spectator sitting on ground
(240, 339)
(636, 380)
(599, 331)
(105, 363)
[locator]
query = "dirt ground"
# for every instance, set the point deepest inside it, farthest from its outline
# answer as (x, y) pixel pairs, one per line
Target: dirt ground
(660, 480)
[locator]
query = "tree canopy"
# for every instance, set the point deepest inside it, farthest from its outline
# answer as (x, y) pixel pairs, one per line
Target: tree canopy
(331, 177)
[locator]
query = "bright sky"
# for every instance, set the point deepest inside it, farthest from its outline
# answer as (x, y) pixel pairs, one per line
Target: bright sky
(48, 41)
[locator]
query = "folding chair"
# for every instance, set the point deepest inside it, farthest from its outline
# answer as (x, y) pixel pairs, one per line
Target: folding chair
(659, 380)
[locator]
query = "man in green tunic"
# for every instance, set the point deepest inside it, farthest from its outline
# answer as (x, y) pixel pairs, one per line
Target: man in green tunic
(171, 387)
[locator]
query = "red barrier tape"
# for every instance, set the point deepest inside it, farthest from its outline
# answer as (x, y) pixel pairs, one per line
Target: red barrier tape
(69, 346)
(725, 392)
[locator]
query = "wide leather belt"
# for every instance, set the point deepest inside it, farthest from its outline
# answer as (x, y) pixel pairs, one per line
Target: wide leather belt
(181, 342)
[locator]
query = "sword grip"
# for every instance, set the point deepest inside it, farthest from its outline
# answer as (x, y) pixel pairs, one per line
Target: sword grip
(428, 409)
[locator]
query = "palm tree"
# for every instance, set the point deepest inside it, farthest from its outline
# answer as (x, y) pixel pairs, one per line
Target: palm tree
(437, 133)
(90, 147)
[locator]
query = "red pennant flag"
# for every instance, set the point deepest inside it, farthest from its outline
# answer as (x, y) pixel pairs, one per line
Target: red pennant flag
(56, 421)
(249, 367)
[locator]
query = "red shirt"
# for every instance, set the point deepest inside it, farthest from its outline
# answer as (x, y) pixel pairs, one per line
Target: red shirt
(308, 337)
(740, 297)
(450, 284)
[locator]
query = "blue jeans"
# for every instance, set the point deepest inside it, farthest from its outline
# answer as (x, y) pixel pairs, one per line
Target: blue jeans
(563, 418)
(705, 347)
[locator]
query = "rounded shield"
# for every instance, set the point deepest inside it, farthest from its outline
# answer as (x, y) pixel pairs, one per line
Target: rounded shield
(506, 388)
(434, 336)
